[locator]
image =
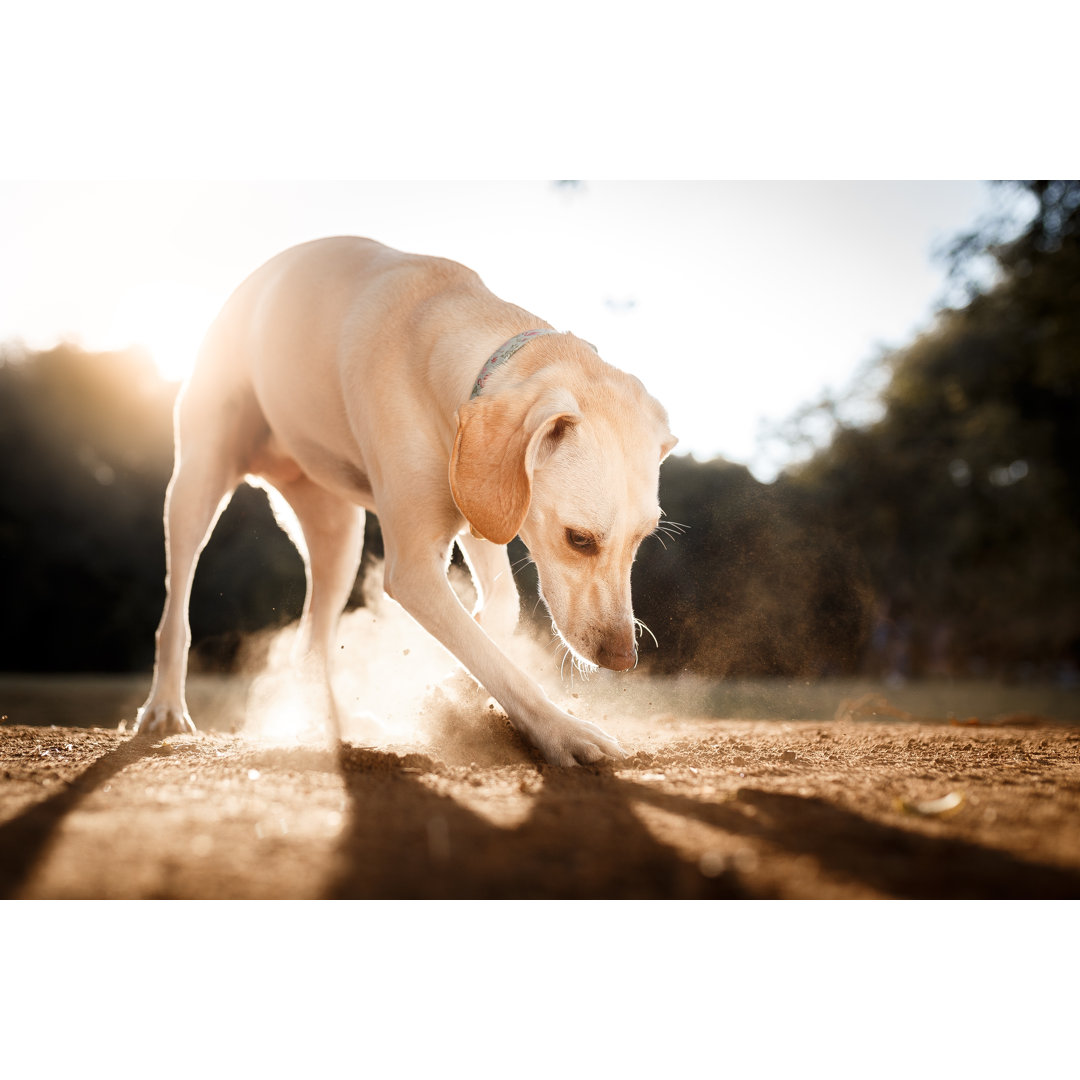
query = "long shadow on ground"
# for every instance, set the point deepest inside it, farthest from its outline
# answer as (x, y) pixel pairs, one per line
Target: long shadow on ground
(26, 837)
(582, 840)
(894, 861)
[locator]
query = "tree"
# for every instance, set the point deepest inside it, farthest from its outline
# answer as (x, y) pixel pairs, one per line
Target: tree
(85, 454)
(964, 497)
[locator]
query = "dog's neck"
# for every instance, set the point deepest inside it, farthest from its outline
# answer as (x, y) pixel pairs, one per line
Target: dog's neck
(502, 354)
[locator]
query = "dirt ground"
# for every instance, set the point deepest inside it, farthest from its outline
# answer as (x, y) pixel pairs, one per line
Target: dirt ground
(875, 801)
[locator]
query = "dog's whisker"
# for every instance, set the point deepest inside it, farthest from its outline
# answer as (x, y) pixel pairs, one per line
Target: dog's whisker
(672, 528)
(562, 666)
(585, 669)
(520, 565)
(642, 628)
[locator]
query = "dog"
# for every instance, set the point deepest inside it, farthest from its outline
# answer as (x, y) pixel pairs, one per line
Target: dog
(351, 377)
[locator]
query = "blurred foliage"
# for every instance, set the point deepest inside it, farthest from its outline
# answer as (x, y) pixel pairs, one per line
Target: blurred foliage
(85, 454)
(938, 532)
(964, 497)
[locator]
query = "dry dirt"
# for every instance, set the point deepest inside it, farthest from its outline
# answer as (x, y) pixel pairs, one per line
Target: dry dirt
(875, 802)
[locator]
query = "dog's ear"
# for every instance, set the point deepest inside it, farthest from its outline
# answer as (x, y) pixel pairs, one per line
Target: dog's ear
(668, 445)
(499, 443)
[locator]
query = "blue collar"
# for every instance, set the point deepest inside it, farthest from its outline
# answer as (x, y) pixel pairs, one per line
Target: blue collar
(502, 354)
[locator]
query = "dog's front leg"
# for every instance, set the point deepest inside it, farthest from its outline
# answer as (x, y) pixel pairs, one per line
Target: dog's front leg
(416, 579)
(498, 602)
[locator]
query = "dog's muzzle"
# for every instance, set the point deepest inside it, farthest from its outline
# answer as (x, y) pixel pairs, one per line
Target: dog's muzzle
(616, 659)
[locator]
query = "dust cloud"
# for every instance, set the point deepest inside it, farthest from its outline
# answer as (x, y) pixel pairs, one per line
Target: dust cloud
(396, 688)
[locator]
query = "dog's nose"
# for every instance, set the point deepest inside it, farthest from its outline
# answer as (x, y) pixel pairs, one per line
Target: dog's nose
(617, 658)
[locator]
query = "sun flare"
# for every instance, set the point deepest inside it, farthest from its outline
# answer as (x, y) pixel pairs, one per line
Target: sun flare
(169, 320)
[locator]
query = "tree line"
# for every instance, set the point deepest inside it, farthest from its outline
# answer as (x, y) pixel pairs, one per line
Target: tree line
(942, 537)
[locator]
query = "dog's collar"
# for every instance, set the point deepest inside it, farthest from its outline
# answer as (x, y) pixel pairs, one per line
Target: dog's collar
(502, 354)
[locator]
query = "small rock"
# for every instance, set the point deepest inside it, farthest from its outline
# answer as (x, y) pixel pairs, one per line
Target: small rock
(713, 863)
(789, 755)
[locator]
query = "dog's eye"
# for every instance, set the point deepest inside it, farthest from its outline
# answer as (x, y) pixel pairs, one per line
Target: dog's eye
(581, 540)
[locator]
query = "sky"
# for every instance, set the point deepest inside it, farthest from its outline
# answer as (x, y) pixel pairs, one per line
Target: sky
(734, 301)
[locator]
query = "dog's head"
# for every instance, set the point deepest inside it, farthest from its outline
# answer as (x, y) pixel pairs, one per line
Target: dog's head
(569, 458)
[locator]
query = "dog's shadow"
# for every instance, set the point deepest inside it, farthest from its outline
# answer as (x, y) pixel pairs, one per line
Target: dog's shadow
(581, 840)
(26, 838)
(894, 861)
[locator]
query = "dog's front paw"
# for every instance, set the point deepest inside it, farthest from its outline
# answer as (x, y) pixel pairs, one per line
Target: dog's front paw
(565, 740)
(163, 720)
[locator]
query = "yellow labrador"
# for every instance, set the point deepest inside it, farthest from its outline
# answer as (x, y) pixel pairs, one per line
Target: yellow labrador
(347, 376)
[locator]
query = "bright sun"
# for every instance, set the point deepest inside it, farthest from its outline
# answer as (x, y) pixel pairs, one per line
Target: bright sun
(169, 320)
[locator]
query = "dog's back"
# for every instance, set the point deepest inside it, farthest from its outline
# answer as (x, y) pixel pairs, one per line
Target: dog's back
(318, 351)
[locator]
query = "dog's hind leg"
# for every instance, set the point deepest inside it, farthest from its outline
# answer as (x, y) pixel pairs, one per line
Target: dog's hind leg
(202, 482)
(331, 540)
